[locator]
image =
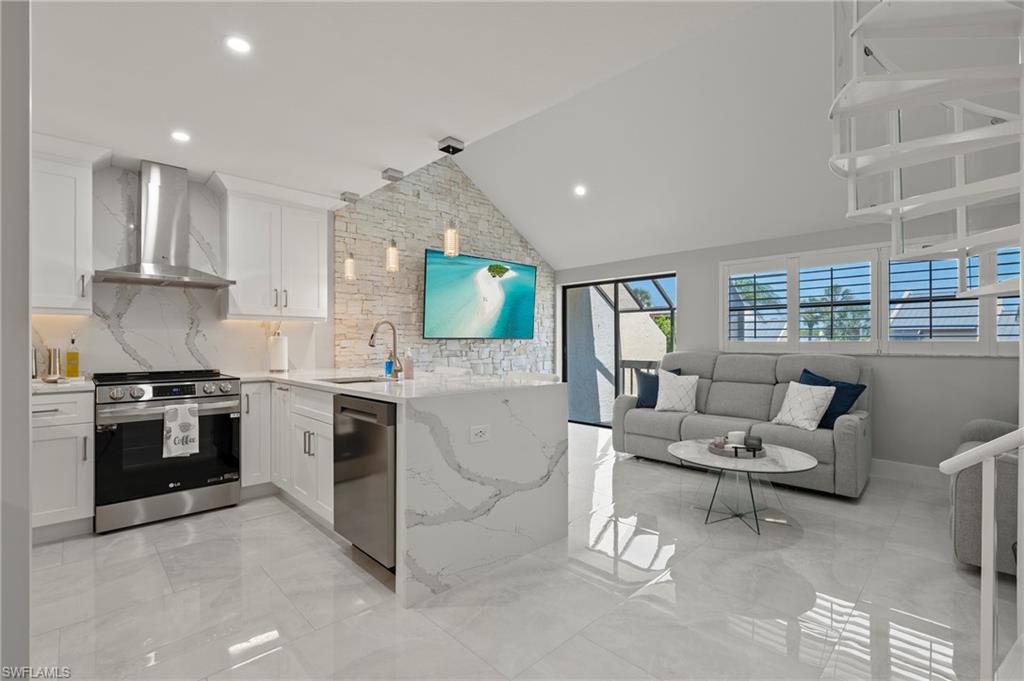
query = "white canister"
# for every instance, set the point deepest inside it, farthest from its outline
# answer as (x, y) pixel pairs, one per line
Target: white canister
(278, 347)
(736, 437)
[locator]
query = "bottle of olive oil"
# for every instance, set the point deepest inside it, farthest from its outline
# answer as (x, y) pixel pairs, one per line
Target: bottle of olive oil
(71, 360)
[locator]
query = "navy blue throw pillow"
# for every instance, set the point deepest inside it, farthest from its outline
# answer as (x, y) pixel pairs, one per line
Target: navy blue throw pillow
(843, 400)
(647, 388)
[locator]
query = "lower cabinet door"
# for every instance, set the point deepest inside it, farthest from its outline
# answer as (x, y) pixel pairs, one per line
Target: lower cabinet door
(303, 461)
(62, 473)
(323, 452)
(256, 433)
(281, 437)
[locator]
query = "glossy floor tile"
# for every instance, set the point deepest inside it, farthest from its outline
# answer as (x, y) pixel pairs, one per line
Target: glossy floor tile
(640, 588)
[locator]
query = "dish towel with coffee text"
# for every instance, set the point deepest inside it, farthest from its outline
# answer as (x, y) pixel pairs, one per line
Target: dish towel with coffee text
(181, 430)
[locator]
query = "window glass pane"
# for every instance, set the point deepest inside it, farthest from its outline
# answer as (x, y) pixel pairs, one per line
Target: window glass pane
(923, 303)
(757, 307)
(646, 294)
(1008, 311)
(835, 302)
(668, 286)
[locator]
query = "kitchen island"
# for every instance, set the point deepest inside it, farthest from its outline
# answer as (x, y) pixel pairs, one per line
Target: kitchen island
(465, 505)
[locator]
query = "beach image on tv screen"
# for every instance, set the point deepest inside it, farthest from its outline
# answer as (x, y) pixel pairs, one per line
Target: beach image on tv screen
(470, 297)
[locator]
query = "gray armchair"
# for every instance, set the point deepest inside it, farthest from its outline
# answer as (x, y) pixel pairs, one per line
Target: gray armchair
(965, 499)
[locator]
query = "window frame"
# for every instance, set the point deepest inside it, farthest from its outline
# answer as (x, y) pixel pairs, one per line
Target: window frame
(987, 344)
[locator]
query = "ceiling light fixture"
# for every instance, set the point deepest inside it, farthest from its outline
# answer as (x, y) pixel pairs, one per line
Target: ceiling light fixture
(180, 136)
(391, 257)
(580, 190)
(451, 238)
(238, 44)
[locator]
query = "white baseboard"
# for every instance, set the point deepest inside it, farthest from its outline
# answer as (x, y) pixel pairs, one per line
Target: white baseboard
(909, 472)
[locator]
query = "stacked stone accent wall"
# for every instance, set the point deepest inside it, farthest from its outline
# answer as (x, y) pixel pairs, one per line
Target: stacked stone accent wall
(411, 212)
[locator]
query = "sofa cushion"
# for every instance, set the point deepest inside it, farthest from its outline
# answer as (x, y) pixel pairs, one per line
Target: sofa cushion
(745, 369)
(647, 384)
(805, 405)
(698, 426)
(744, 400)
(676, 393)
(690, 363)
(663, 424)
(818, 443)
(842, 402)
(835, 367)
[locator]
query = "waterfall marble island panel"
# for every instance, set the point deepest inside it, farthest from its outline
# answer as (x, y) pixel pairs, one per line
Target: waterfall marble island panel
(465, 507)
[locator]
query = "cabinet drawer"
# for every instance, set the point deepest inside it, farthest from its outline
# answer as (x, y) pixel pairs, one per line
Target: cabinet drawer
(313, 404)
(62, 409)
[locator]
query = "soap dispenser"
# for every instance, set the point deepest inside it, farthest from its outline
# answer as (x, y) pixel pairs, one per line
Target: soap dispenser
(71, 360)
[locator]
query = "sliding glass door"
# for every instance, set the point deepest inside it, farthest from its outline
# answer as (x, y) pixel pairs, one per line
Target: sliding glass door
(610, 329)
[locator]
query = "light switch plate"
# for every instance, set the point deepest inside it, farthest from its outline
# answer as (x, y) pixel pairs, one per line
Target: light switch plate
(479, 433)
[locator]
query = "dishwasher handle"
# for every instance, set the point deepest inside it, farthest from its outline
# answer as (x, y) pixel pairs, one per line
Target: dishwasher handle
(372, 411)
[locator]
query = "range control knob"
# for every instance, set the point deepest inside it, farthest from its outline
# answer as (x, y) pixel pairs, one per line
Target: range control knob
(209, 388)
(136, 393)
(225, 387)
(116, 394)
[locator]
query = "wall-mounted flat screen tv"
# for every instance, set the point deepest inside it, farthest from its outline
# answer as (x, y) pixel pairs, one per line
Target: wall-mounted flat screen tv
(470, 297)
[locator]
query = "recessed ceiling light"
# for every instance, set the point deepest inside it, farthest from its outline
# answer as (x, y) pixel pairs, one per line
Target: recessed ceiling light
(580, 190)
(238, 44)
(180, 136)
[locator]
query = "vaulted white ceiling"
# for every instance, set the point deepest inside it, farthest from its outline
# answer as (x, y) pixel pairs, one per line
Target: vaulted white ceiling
(721, 140)
(332, 92)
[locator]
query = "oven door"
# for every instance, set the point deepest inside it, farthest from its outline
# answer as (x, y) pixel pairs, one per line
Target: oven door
(130, 446)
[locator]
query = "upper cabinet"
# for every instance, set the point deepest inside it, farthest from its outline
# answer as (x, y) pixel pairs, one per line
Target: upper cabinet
(61, 224)
(277, 249)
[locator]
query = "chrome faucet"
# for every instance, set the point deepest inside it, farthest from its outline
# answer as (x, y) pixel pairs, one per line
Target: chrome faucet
(396, 366)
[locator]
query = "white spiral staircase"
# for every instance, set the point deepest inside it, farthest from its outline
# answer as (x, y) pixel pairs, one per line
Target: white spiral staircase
(863, 29)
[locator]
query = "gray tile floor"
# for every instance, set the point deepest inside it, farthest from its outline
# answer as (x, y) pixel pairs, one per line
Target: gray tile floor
(640, 589)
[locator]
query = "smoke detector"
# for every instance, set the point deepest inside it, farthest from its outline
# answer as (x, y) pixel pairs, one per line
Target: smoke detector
(391, 175)
(349, 197)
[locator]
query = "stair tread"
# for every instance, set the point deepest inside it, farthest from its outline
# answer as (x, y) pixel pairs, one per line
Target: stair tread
(1000, 288)
(974, 244)
(938, 202)
(891, 91)
(898, 18)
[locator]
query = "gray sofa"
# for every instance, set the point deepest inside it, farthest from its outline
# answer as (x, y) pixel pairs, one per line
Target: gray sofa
(744, 392)
(965, 499)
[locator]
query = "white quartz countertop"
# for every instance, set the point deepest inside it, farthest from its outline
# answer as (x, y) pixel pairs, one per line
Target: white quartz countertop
(83, 386)
(425, 384)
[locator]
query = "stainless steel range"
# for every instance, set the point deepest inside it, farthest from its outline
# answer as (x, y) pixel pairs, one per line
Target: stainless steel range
(136, 482)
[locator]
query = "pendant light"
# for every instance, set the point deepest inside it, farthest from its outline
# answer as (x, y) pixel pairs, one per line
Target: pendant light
(391, 257)
(350, 267)
(451, 239)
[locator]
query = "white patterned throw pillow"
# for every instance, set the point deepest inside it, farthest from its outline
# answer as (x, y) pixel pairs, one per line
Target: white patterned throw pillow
(804, 405)
(676, 393)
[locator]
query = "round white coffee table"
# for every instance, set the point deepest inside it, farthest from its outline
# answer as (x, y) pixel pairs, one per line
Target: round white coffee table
(776, 460)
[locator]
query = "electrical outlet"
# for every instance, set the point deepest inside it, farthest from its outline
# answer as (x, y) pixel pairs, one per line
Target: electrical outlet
(479, 433)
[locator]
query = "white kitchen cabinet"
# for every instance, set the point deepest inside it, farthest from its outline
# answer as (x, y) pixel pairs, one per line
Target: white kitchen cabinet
(281, 437)
(256, 434)
(277, 249)
(304, 471)
(60, 224)
(322, 441)
(62, 473)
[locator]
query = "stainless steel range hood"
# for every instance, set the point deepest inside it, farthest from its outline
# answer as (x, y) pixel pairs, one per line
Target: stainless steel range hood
(163, 238)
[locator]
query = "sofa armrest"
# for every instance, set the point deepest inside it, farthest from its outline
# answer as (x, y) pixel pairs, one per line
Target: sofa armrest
(852, 439)
(623, 403)
(983, 430)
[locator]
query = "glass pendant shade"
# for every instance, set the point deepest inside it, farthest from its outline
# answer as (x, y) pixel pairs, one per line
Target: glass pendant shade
(391, 257)
(350, 267)
(451, 239)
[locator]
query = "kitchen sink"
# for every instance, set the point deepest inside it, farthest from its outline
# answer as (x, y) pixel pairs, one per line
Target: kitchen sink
(359, 379)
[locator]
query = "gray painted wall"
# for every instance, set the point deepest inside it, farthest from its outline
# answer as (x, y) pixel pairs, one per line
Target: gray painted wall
(920, 402)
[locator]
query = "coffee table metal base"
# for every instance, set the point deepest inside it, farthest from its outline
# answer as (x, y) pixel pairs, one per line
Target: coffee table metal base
(735, 512)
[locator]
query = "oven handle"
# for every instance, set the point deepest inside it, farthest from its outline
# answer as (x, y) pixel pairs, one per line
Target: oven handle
(109, 414)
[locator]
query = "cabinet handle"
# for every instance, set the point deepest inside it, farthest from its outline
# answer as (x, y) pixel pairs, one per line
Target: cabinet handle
(82, 283)
(276, 299)
(311, 442)
(45, 411)
(305, 442)
(286, 298)
(246, 403)
(85, 448)
(283, 388)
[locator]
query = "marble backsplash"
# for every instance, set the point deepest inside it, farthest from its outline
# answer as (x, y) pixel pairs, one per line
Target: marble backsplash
(152, 328)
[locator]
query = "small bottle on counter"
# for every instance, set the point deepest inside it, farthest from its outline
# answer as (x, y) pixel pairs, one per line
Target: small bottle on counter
(71, 360)
(389, 365)
(407, 366)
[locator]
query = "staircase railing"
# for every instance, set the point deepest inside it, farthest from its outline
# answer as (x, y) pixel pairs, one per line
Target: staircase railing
(986, 454)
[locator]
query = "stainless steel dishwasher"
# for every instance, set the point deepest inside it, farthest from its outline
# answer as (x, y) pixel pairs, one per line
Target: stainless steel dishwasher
(364, 476)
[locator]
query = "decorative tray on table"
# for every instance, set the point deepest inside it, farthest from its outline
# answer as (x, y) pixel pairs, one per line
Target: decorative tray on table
(735, 451)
